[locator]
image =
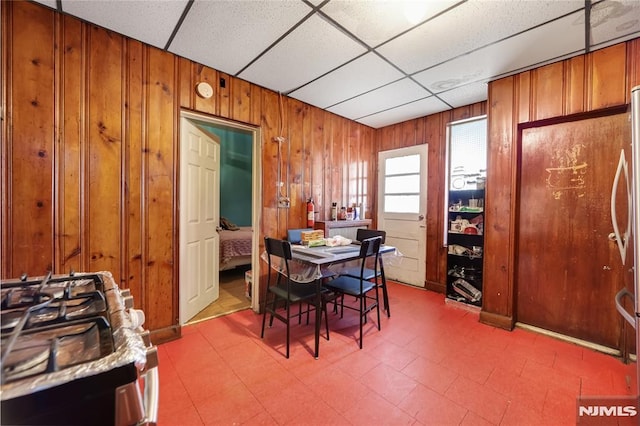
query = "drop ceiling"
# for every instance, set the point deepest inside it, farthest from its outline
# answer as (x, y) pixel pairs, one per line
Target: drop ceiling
(377, 62)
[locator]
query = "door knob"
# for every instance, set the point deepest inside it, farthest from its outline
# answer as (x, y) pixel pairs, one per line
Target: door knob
(421, 217)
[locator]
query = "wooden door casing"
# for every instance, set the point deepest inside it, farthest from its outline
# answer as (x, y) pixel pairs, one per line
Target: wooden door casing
(568, 271)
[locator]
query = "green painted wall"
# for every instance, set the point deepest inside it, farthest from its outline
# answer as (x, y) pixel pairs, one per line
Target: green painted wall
(236, 151)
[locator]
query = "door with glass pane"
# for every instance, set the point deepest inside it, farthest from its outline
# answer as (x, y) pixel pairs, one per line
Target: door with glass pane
(402, 206)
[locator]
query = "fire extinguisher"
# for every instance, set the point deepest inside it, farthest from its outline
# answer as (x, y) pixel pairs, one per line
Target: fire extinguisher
(310, 213)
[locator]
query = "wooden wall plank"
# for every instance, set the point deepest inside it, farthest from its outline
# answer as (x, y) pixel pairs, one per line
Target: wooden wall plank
(240, 100)
(159, 207)
(224, 93)
(338, 165)
(297, 177)
(435, 136)
(320, 170)
(271, 124)
(548, 94)
(575, 87)
(134, 168)
(6, 24)
(633, 66)
(202, 73)
(524, 98)
(30, 114)
(607, 85)
(103, 163)
(71, 147)
(497, 267)
(407, 136)
(186, 86)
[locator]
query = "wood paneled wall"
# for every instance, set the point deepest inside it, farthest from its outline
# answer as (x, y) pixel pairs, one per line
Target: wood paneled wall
(90, 154)
(597, 81)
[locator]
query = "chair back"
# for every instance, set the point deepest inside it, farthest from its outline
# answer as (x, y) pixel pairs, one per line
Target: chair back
(294, 236)
(363, 234)
(370, 247)
(280, 249)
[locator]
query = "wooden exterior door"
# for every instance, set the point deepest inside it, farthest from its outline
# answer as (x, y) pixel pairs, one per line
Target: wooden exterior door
(568, 271)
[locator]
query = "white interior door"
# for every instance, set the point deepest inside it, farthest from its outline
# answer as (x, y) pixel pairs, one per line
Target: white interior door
(199, 217)
(402, 205)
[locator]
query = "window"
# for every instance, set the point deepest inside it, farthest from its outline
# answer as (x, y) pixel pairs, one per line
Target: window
(467, 147)
(402, 184)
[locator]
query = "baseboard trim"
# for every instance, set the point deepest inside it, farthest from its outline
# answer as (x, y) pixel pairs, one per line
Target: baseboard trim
(495, 320)
(167, 334)
(435, 286)
(574, 340)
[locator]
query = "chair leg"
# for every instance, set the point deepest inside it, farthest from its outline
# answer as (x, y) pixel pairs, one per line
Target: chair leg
(326, 318)
(288, 320)
(385, 296)
(264, 318)
(362, 314)
(378, 306)
(274, 306)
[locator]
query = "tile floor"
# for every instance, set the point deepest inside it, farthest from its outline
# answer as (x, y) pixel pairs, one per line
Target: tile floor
(431, 364)
(232, 296)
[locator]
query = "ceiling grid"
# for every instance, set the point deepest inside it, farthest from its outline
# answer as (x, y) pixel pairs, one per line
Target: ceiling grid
(377, 62)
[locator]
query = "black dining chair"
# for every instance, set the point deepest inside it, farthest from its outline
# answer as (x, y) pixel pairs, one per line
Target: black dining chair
(369, 274)
(283, 289)
(359, 287)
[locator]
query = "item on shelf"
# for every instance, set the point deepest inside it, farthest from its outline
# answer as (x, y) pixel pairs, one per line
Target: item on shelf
(471, 230)
(342, 215)
(458, 224)
(466, 290)
(350, 213)
(458, 249)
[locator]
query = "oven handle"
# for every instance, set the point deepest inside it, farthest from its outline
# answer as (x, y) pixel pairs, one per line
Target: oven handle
(626, 315)
(151, 395)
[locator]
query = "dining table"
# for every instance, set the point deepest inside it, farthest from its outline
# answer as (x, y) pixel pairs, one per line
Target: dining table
(313, 264)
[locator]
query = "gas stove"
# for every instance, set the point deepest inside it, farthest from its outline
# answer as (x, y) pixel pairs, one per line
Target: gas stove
(73, 351)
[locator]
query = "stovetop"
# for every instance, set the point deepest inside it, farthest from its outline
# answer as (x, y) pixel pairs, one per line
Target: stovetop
(55, 329)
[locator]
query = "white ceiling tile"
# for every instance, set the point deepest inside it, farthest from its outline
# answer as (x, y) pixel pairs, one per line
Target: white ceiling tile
(311, 50)
(361, 75)
(613, 22)
(227, 35)
(389, 96)
(416, 109)
(469, 26)
(465, 95)
(151, 21)
(376, 21)
(554, 40)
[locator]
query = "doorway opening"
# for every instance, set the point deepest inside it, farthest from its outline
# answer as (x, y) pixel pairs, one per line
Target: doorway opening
(235, 208)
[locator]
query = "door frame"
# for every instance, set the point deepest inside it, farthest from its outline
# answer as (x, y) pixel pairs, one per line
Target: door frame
(256, 197)
(423, 151)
